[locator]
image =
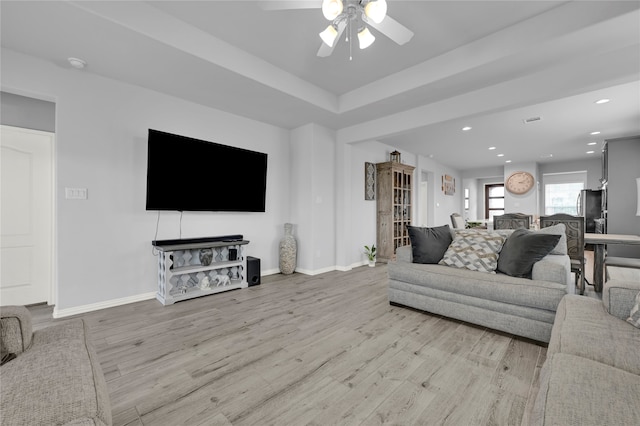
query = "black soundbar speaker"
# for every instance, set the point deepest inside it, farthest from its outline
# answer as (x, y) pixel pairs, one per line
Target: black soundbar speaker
(253, 271)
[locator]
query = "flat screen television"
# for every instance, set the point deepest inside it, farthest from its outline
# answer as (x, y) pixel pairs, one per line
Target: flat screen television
(187, 174)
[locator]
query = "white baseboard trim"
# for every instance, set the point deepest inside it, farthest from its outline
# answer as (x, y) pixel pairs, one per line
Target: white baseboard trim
(61, 313)
(316, 271)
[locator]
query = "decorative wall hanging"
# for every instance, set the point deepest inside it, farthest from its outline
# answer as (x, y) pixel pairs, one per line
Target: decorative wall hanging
(369, 181)
(448, 185)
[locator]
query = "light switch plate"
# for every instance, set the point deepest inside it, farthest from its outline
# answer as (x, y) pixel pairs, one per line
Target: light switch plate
(75, 193)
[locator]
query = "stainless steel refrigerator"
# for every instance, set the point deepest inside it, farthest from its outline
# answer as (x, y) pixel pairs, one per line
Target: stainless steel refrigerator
(591, 207)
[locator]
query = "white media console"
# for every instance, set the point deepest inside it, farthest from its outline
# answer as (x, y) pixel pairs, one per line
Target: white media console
(184, 271)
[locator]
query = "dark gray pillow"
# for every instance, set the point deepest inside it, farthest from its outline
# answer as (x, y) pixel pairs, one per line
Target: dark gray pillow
(522, 249)
(428, 245)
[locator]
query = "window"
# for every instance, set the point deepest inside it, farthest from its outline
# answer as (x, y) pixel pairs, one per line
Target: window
(561, 191)
(493, 200)
(562, 197)
(466, 198)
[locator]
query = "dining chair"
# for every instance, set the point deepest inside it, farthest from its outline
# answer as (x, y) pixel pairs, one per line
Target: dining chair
(574, 229)
(512, 221)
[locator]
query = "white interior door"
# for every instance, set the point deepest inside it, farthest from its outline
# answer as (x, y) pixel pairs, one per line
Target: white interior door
(26, 221)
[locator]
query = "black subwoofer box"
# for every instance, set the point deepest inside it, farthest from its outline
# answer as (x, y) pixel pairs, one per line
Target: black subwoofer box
(253, 271)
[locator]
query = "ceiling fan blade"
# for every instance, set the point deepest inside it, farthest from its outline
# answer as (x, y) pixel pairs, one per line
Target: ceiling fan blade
(393, 29)
(291, 4)
(325, 50)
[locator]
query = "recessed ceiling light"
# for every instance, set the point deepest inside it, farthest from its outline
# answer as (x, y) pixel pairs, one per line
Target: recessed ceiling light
(594, 133)
(77, 63)
(491, 148)
(602, 101)
(590, 152)
(546, 156)
(507, 161)
(592, 143)
(500, 155)
(466, 128)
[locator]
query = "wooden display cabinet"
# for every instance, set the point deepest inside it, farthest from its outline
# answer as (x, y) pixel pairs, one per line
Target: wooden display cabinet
(394, 183)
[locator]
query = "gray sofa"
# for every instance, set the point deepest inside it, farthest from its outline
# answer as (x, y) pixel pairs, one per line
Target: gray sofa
(591, 375)
(520, 306)
(55, 378)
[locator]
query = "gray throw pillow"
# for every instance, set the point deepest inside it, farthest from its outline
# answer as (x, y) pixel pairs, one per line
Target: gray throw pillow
(557, 229)
(428, 245)
(522, 249)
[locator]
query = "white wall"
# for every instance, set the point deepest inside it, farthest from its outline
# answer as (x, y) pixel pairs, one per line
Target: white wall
(363, 229)
(593, 167)
(443, 205)
(104, 243)
(313, 197)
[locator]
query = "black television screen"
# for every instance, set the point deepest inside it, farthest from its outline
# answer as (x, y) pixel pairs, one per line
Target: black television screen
(187, 174)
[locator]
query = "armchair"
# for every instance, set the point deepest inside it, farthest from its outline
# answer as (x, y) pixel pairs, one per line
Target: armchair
(55, 377)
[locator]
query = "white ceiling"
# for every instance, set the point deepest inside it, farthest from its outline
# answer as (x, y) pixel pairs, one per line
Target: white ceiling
(484, 64)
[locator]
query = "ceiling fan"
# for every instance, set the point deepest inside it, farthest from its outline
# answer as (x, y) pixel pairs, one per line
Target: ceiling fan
(350, 15)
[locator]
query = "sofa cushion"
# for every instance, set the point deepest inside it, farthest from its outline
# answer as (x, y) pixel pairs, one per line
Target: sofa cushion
(522, 249)
(583, 328)
(474, 249)
(634, 315)
(618, 297)
(428, 245)
(58, 380)
(579, 391)
(497, 287)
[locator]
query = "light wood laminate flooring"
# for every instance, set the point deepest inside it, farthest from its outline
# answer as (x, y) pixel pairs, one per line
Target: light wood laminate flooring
(307, 350)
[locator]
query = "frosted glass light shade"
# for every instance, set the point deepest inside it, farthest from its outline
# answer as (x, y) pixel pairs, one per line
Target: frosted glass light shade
(638, 199)
(365, 38)
(376, 10)
(331, 9)
(329, 35)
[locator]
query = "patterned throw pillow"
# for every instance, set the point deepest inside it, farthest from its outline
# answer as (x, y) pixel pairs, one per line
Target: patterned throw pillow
(634, 316)
(474, 249)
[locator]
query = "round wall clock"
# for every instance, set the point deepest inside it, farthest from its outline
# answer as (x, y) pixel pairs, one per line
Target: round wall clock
(519, 182)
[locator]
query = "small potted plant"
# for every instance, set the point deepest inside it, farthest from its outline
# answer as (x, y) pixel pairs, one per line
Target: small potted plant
(371, 254)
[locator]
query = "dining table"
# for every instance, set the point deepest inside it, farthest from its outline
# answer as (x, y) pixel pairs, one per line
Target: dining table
(599, 242)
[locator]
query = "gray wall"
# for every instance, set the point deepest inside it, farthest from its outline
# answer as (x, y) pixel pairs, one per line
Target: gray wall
(624, 168)
(28, 113)
(593, 168)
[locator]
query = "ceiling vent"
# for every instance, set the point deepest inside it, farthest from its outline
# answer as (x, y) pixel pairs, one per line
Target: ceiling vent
(531, 120)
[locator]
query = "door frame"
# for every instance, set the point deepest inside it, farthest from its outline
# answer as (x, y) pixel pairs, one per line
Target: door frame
(53, 290)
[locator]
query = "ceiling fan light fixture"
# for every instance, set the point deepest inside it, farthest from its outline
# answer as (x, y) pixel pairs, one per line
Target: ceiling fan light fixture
(365, 38)
(331, 9)
(376, 10)
(329, 35)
